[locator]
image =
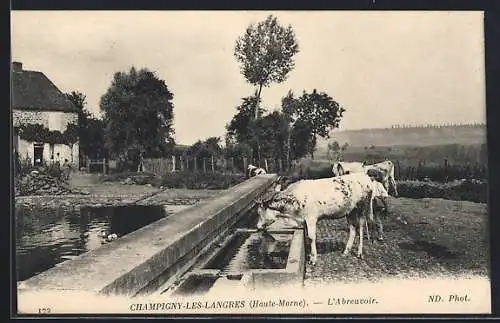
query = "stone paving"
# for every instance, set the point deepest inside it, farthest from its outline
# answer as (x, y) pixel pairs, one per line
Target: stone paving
(442, 238)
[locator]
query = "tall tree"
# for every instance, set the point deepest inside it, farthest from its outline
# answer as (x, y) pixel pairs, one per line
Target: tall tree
(138, 112)
(241, 128)
(290, 106)
(272, 131)
(302, 141)
(90, 129)
(266, 53)
(321, 113)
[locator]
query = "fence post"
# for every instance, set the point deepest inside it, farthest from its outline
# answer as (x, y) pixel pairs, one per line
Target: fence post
(280, 165)
(265, 164)
(245, 163)
(104, 166)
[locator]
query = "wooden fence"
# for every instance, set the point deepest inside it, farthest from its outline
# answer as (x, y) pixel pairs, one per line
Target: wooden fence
(162, 166)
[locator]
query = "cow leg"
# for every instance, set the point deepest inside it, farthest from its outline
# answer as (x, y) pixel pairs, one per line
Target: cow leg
(393, 184)
(351, 222)
(368, 232)
(380, 228)
(311, 233)
(362, 223)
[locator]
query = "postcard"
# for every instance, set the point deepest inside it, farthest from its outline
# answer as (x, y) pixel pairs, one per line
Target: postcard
(250, 162)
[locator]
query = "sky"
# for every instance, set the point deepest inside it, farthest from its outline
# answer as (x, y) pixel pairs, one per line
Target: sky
(384, 68)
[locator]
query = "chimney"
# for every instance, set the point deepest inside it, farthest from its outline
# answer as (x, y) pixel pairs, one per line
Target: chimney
(17, 66)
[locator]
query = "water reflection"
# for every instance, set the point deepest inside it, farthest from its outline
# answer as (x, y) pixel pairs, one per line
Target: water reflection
(253, 251)
(47, 237)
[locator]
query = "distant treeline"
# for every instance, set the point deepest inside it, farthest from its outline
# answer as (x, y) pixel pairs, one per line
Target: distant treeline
(454, 154)
(467, 125)
(409, 135)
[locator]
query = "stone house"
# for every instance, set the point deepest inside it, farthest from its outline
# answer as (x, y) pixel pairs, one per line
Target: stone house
(35, 100)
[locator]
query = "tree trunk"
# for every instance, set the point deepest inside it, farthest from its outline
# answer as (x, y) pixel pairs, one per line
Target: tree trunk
(256, 117)
(257, 102)
(288, 148)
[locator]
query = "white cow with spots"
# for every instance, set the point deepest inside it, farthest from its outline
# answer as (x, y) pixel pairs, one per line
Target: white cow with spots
(384, 171)
(254, 171)
(349, 196)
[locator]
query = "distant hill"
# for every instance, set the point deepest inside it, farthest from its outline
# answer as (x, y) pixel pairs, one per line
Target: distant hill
(408, 136)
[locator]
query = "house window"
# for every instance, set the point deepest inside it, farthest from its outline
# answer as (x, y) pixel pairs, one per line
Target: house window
(54, 121)
(37, 154)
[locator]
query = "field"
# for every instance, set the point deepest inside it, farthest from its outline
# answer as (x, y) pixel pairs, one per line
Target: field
(446, 233)
(442, 238)
(410, 136)
(438, 163)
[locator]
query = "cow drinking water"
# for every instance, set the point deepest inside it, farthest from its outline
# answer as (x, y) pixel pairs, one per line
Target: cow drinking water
(349, 196)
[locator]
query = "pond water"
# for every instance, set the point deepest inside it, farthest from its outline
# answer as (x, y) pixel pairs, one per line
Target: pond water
(47, 237)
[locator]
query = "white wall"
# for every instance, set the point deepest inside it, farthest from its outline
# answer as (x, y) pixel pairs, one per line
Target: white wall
(26, 148)
(54, 120)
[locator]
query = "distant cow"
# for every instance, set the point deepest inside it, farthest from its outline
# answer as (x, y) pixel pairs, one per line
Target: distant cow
(349, 196)
(380, 207)
(383, 172)
(254, 171)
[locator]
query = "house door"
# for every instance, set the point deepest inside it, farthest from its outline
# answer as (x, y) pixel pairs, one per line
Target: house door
(37, 154)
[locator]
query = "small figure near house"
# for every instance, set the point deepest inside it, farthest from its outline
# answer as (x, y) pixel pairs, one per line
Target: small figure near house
(140, 167)
(58, 160)
(66, 169)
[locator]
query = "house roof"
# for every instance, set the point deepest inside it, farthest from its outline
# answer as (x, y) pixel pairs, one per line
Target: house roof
(32, 90)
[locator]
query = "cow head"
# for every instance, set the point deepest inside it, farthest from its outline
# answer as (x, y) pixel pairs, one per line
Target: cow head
(266, 216)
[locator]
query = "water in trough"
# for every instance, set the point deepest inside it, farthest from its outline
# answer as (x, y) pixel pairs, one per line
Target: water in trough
(253, 250)
(48, 237)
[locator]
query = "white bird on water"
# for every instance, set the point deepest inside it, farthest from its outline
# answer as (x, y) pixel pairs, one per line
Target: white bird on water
(107, 237)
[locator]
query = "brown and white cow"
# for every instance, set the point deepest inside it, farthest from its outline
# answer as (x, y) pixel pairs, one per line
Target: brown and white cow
(384, 169)
(305, 201)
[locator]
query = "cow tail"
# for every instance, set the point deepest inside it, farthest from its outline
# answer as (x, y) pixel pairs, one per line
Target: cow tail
(392, 180)
(371, 197)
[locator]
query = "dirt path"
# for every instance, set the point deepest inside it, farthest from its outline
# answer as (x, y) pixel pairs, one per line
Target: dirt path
(114, 193)
(442, 237)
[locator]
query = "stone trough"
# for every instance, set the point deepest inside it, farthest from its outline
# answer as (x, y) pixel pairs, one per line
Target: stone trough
(164, 248)
(248, 260)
